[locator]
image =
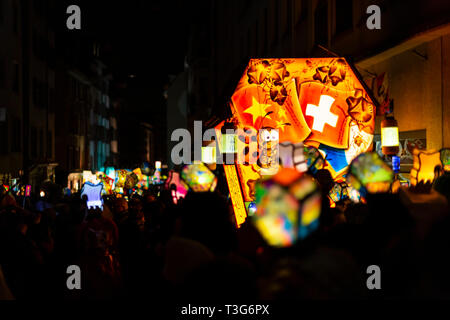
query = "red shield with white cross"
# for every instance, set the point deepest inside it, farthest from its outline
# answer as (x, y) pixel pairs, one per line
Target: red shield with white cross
(326, 112)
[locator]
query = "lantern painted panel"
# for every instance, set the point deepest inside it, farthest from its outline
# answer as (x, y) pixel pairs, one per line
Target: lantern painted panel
(426, 167)
(319, 102)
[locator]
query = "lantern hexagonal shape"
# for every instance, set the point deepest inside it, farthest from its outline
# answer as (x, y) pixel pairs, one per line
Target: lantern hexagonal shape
(318, 101)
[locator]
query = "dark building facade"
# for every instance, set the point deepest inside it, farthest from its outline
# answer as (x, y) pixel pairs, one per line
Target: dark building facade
(86, 123)
(56, 115)
(27, 98)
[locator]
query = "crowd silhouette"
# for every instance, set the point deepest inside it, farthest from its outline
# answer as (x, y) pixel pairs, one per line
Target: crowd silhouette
(148, 247)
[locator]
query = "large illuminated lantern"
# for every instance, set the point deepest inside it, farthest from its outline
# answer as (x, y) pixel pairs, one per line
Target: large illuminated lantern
(318, 101)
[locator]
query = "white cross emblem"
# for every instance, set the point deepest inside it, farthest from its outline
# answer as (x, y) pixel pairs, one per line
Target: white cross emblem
(322, 113)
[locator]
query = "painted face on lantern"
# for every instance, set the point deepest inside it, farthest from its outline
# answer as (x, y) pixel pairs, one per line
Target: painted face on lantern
(268, 140)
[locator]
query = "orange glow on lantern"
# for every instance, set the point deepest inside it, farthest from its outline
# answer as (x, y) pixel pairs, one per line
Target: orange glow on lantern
(235, 194)
(320, 102)
(425, 164)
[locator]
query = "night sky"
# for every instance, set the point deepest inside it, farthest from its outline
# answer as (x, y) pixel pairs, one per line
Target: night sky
(143, 38)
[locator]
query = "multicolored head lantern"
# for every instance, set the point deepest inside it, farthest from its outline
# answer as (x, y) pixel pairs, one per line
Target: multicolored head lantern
(368, 173)
(198, 177)
(287, 207)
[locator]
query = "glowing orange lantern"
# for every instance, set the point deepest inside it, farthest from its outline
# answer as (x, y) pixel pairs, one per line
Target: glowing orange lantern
(318, 101)
(426, 166)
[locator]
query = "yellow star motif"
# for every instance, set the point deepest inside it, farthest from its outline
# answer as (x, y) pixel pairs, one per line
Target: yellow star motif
(281, 124)
(257, 110)
(282, 114)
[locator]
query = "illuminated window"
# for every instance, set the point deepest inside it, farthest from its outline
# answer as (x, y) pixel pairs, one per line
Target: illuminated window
(114, 148)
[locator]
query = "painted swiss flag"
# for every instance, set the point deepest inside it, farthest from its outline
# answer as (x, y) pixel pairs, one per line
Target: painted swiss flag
(326, 113)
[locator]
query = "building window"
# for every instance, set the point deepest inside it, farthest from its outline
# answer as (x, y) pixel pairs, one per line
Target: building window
(344, 15)
(114, 148)
(16, 135)
(321, 24)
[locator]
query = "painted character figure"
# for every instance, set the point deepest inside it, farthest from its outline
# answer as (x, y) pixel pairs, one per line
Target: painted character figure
(268, 145)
